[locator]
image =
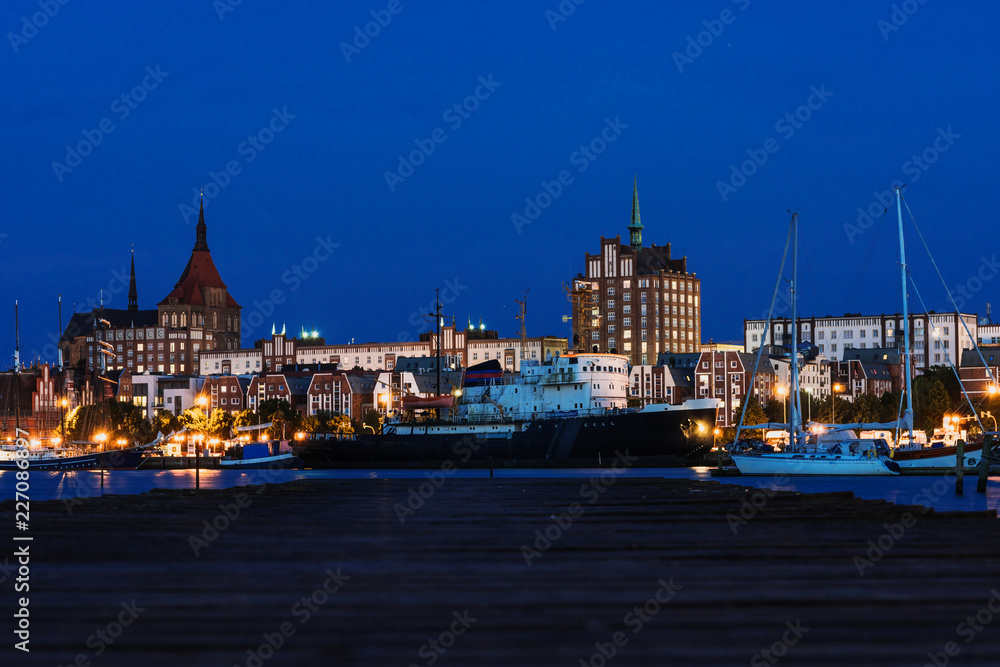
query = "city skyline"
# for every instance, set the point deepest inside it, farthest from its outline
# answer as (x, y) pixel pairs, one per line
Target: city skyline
(356, 173)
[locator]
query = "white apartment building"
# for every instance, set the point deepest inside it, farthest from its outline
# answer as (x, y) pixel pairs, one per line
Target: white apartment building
(814, 377)
(229, 362)
(935, 338)
(989, 334)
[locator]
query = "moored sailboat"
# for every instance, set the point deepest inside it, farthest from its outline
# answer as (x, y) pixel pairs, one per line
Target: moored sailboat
(815, 451)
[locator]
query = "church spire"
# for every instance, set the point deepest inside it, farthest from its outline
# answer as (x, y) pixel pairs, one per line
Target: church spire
(133, 294)
(635, 228)
(201, 243)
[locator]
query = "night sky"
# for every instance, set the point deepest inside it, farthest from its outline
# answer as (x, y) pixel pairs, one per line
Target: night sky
(310, 116)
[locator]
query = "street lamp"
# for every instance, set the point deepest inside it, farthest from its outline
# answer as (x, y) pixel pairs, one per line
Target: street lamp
(202, 401)
(989, 414)
(783, 392)
(62, 417)
(836, 388)
(102, 438)
(809, 393)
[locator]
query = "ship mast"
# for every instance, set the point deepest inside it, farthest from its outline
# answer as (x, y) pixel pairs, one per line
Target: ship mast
(437, 300)
(908, 413)
(521, 315)
(794, 418)
(17, 375)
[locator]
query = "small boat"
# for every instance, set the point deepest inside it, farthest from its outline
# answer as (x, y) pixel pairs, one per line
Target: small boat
(273, 455)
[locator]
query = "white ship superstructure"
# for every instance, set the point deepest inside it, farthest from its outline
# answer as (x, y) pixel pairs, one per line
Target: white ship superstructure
(568, 385)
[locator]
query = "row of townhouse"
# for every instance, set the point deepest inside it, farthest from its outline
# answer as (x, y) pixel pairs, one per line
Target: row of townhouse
(459, 348)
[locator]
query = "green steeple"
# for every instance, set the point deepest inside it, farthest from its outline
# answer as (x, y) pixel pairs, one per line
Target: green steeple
(635, 228)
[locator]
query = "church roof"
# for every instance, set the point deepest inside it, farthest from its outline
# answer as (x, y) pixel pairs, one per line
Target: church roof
(82, 324)
(199, 272)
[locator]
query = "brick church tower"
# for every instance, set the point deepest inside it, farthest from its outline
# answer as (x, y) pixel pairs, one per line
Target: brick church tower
(200, 301)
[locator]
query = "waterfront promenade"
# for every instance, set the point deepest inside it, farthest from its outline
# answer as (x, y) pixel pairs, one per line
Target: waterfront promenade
(627, 571)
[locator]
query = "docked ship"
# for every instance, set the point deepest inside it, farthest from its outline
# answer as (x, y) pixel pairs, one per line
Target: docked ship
(70, 458)
(570, 410)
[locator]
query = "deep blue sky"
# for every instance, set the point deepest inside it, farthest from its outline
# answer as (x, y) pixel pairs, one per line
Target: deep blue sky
(324, 174)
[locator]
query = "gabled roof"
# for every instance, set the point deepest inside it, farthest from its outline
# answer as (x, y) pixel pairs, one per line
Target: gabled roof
(199, 272)
(991, 353)
(877, 355)
(82, 324)
(678, 359)
(361, 384)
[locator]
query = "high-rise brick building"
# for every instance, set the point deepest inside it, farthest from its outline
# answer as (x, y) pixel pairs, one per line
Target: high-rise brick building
(635, 300)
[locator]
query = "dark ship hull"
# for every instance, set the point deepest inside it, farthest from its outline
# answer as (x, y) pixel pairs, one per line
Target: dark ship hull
(655, 438)
(116, 459)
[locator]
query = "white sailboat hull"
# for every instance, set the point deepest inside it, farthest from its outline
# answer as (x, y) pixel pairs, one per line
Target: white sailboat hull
(810, 464)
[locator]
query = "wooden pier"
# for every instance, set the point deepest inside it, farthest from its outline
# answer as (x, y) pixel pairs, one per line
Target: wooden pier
(656, 572)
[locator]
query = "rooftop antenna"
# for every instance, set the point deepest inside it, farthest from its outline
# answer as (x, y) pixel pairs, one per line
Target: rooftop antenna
(521, 315)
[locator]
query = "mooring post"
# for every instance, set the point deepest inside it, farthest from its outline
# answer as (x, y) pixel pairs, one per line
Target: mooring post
(984, 463)
(959, 467)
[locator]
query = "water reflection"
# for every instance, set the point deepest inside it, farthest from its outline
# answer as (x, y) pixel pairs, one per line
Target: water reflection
(931, 491)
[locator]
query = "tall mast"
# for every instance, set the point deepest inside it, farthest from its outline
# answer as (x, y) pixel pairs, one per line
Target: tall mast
(59, 352)
(793, 390)
(522, 313)
(437, 300)
(908, 413)
(17, 377)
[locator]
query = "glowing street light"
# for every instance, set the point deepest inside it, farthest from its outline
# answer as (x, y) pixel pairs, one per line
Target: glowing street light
(837, 388)
(62, 416)
(783, 392)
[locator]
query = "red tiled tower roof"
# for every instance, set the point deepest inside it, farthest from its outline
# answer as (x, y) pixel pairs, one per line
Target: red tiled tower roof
(199, 272)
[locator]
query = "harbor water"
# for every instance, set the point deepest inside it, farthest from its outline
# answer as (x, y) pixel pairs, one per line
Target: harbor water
(931, 491)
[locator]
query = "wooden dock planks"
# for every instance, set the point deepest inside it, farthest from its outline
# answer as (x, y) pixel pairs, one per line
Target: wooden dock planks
(793, 560)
